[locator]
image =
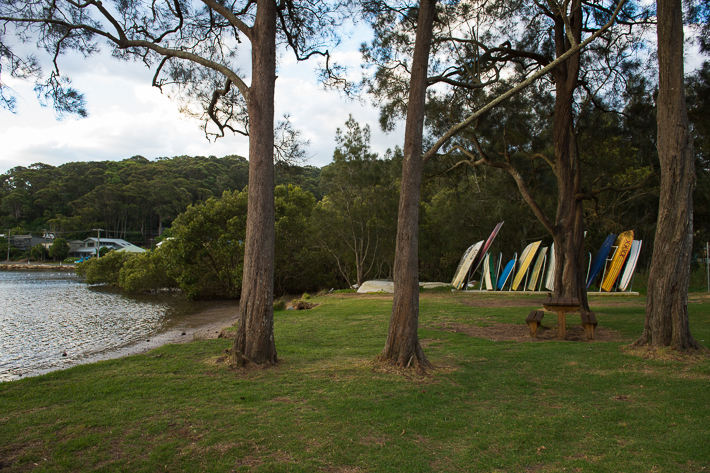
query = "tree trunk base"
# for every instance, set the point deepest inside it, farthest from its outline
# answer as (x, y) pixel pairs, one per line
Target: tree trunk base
(237, 360)
(688, 344)
(414, 359)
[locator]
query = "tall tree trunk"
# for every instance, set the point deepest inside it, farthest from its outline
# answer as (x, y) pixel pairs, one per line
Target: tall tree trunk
(666, 323)
(569, 232)
(255, 331)
(402, 347)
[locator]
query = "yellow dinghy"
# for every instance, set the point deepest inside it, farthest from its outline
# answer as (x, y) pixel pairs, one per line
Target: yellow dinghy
(525, 260)
(623, 246)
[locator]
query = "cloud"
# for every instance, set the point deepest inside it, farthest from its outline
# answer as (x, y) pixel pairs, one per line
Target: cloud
(128, 117)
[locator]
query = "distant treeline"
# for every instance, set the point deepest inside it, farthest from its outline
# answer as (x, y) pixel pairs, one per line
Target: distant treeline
(133, 199)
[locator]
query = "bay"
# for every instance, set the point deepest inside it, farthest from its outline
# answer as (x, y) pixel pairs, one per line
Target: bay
(52, 320)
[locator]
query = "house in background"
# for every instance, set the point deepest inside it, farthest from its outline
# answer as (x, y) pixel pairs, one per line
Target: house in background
(25, 242)
(81, 248)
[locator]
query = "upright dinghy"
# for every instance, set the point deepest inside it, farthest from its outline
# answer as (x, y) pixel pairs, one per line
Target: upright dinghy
(550, 279)
(623, 247)
(600, 259)
(525, 261)
(535, 275)
(630, 264)
(505, 275)
(462, 271)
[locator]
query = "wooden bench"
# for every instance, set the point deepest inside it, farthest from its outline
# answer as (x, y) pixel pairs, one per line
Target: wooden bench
(561, 305)
(534, 319)
(589, 322)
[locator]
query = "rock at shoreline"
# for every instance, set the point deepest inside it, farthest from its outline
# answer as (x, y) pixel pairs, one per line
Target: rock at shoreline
(60, 267)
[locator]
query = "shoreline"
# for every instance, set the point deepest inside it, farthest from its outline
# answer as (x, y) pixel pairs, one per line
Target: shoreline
(204, 325)
(37, 266)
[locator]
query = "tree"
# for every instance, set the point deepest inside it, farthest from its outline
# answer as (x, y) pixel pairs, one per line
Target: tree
(666, 323)
(104, 270)
(59, 249)
(205, 254)
(37, 252)
(193, 48)
(145, 272)
(577, 80)
(299, 263)
(354, 219)
(402, 346)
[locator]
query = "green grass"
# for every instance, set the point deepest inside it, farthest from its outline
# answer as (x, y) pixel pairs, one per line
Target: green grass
(489, 406)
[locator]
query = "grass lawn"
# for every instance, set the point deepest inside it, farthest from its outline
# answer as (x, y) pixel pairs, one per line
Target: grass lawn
(491, 404)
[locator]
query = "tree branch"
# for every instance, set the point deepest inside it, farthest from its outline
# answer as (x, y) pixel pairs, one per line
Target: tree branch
(527, 82)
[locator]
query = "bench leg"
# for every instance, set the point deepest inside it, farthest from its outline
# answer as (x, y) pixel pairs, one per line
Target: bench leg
(533, 329)
(589, 331)
(562, 325)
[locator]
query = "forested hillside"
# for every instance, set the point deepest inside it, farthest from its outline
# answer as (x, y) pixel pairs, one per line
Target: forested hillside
(133, 199)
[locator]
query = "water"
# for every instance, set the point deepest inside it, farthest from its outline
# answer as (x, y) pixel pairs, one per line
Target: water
(44, 315)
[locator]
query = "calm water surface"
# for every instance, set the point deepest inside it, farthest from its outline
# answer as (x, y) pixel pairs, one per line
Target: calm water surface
(46, 314)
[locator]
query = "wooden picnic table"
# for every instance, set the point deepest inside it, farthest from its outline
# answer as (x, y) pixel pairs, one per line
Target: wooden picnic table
(562, 305)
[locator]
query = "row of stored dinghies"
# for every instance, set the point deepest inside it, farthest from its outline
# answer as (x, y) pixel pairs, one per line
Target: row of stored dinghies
(614, 265)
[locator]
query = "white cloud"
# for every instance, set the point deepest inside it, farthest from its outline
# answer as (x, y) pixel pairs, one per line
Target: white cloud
(128, 117)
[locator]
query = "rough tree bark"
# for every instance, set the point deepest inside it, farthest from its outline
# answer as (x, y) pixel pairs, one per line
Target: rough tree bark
(402, 347)
(255, 330)
(568, 232)
(666, 323)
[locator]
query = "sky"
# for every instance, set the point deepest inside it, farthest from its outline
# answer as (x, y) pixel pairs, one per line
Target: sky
(128, 117)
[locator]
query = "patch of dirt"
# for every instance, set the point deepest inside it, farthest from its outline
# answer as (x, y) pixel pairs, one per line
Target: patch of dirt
(622, 302)
(521, 333)
(251, 461)
(520, 300)
(370, 441)
(285, 400)
(502, 302)
(341, 469)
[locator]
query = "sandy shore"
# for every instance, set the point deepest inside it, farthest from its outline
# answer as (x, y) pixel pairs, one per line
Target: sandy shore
(201, 326)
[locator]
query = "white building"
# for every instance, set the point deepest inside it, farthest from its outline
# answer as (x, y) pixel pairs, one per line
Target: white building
(90, 245)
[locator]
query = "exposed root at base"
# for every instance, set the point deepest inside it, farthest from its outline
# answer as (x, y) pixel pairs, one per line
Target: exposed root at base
(645, 341)
(647, 351)
(392, 365)
(236, 360)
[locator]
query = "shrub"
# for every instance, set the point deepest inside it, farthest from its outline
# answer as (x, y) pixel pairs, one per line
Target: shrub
(145, 272)
(279, 305)
(103, 270)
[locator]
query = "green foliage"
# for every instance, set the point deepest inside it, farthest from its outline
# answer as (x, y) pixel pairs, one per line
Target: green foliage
(300, 264)
(145, 272)
(279, 305)
(204, 252)
(38, 252)
(104, 270)
(59, 249)
(356, 220)
(205, 255)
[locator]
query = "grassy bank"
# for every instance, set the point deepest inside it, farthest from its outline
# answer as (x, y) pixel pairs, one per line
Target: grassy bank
(492, 404)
